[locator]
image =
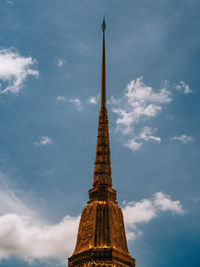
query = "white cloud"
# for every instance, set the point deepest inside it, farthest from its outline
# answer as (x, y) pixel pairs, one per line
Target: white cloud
(184, 87)
(77, 103)
(94, 99)
(19, 237)
(133, 145)
(183, 138)
(25, 234)
(137, 106)
(147, 134)
(163, 202)
(10, 2)
(136, 90)
(61, 62)
(139, 103)
(43, 141)
(144, 211)
(61, 98)
(14, 70)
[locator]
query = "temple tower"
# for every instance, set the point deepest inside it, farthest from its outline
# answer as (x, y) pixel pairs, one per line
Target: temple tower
(101, 239)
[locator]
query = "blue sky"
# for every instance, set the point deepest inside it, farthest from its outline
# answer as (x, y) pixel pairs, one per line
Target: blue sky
(50, 63)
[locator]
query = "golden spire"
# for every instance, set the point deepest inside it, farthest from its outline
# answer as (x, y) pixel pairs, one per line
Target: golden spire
(103, 71)
(102, 169)
(101, 239)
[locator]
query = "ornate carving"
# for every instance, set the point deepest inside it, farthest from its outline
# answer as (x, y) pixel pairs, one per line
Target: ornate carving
(102, 168)
(86, 229)
(117, 230)
(101, 226)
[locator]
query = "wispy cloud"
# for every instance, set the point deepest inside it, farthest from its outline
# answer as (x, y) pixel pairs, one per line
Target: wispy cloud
(61, 62)
(14, 70)
(9, 201)
(183, 138)
(182, 86)
(76, 101)
(23, 233)
(9, 2)
(45, 140)
(146, 134)
(61, 98)
(133, 144)
(94, 99)
(196, 199)
(83, 47)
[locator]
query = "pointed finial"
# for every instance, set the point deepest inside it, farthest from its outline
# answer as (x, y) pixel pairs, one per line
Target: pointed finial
(103, 71)
(103, 26)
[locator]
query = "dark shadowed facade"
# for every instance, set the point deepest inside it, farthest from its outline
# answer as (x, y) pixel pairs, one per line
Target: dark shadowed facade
(101, 239)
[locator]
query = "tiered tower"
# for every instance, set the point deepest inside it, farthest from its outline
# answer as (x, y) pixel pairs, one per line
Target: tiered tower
(101, 239)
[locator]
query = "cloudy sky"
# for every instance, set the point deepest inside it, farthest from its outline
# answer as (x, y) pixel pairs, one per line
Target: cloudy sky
(50, 63)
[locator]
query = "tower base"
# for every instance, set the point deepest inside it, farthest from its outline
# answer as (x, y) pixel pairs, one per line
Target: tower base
(101, 257)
